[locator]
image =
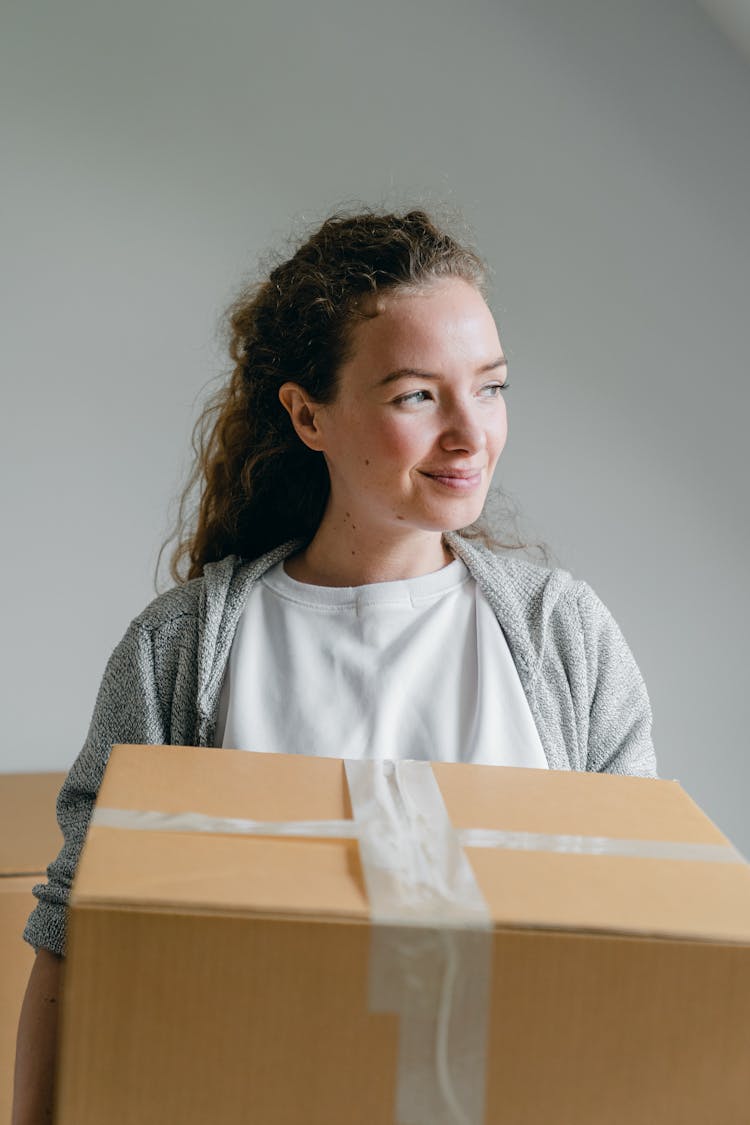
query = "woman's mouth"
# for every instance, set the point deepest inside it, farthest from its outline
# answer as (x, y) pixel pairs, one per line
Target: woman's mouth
(457, 482)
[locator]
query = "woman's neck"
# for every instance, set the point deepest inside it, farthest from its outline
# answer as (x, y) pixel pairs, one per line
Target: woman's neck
(343, 560)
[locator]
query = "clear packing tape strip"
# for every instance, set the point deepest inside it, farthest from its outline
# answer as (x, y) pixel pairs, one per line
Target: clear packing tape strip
(431, 951)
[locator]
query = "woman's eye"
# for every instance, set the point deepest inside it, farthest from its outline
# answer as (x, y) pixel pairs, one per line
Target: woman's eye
(490, 390)
(413, 396)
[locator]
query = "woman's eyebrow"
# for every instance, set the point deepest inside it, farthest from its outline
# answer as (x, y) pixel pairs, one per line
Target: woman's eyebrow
(417, 373)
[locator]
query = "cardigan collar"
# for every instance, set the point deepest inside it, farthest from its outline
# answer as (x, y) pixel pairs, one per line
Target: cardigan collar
(227, 584)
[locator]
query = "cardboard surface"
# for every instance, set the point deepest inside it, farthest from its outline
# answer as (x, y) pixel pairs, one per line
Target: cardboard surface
(231, 973)
(240, 1020)
(29, 840)
(16, 959)
(29, 835)
(320, 877)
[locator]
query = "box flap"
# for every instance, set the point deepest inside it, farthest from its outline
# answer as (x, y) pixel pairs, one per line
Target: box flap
(323, 877)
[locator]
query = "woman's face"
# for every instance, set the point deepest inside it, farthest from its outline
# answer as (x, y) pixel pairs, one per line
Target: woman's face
(418, 423)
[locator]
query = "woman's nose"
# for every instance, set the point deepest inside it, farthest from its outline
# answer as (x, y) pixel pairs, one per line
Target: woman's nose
(463, 431)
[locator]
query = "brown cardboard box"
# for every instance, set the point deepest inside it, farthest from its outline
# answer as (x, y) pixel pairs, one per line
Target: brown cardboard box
(29, 835)
(224, 978)
(29, 840)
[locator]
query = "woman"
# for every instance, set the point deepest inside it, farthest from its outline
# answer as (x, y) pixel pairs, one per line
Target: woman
(331, 604)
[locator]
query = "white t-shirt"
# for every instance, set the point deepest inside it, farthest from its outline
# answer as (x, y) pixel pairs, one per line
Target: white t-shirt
(417, 668)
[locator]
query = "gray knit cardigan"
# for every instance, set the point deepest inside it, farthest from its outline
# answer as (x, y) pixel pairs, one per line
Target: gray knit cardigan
(163, 682)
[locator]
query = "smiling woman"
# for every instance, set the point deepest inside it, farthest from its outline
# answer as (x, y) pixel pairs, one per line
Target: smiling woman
(334, 594)
(373, 315)
(409, 454)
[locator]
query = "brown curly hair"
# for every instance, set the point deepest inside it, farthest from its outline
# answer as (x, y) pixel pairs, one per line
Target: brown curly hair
(259, 484)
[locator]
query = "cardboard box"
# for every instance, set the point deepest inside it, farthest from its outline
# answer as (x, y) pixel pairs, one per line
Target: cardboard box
(225, 978)
(29, 840)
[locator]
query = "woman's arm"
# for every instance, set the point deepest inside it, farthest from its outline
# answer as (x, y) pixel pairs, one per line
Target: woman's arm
(36, 1044)
(620, 717)
(129, 710)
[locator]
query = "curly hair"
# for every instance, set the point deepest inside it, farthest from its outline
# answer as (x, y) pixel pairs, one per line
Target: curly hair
(259, 484)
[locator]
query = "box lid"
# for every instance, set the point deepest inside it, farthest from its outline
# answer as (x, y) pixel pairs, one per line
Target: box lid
(320, 877)
(29, 836)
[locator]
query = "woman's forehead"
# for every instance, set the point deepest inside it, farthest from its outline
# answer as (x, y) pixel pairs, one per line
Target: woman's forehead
(450, 315)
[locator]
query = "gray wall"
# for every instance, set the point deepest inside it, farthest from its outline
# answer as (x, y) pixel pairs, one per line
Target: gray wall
(600, 151)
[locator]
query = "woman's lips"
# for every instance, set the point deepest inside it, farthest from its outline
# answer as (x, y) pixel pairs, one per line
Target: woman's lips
(457, 483)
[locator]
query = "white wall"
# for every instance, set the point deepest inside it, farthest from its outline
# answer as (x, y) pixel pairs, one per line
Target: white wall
(600, 150)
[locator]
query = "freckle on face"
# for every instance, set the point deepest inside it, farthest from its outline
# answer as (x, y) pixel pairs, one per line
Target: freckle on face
(366, 461)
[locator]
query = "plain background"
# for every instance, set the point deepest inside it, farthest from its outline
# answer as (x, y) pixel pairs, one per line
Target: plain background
(599, 151)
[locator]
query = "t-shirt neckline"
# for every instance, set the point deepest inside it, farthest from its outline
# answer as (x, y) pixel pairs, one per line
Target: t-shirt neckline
(402, 591)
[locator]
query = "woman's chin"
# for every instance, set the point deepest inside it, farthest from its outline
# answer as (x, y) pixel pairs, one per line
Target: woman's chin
(453, 517)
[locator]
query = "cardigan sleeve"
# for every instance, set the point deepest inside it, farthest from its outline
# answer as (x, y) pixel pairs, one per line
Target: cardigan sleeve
(128, 710)
(620, 716)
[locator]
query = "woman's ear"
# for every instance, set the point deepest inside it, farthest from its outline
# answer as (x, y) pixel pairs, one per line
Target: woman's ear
(304, 413)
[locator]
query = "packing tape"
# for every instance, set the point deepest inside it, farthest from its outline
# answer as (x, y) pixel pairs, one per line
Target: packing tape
(151, 820)
(599, 845)
(431, 945)
(155, 821)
